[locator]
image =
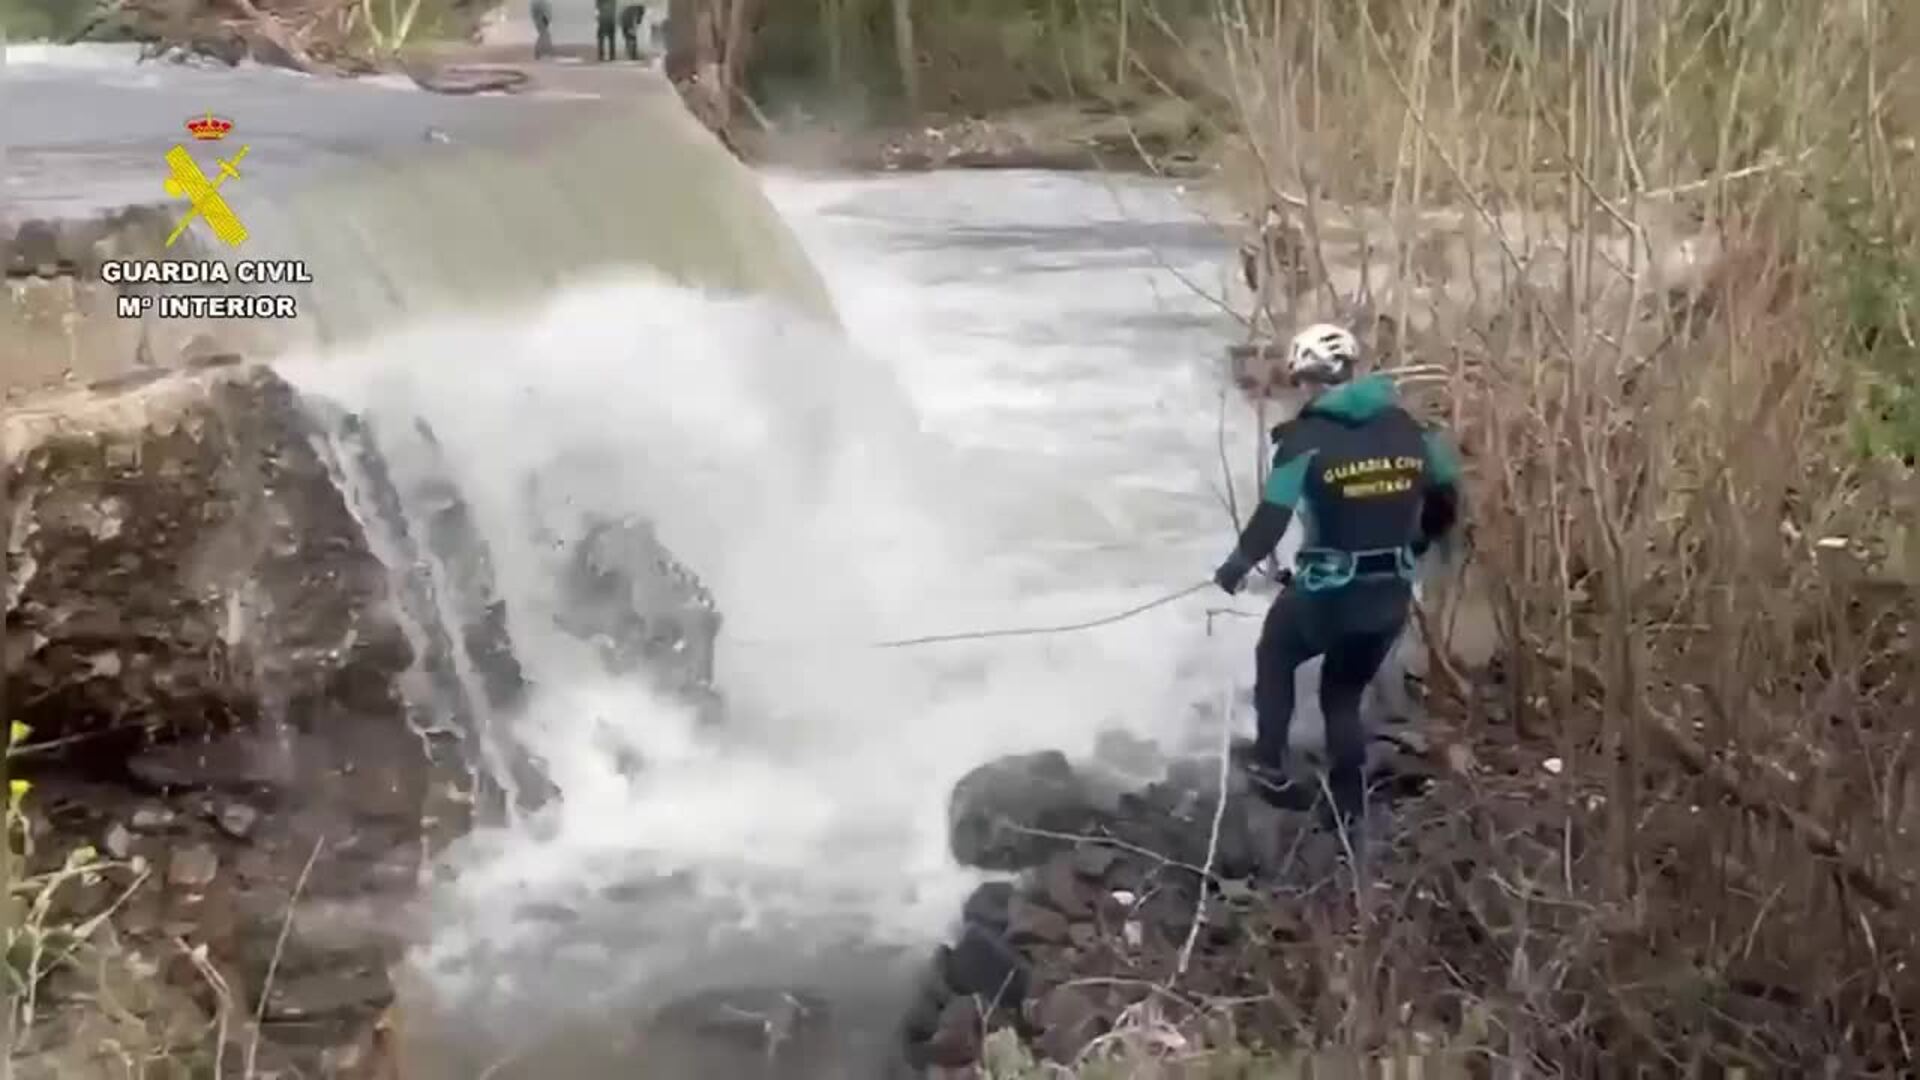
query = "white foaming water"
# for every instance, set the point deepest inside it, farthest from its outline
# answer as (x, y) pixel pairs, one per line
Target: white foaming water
(1021, 432)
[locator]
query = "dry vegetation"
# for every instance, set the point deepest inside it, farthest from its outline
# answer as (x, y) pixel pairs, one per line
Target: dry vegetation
(308, 35)
(1694, 501)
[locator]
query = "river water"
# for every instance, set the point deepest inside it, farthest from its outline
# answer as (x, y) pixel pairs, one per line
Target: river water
(1020, 426)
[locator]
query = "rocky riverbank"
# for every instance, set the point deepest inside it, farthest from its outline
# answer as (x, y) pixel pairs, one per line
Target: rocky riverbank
(1148, 925)
(1129, 899)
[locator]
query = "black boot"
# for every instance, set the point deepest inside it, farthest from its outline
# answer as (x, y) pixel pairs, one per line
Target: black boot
(1270, 782)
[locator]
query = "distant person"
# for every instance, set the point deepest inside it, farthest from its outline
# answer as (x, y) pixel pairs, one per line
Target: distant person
(603, 40)
(631, 17)
(1374, 491)
(542, 29)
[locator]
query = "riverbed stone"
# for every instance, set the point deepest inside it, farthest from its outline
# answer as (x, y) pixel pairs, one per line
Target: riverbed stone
(982, 963)
(1068, 1019)
(236, 819)
(1030, 923)
(642, 609)
(988, 904)
(193, 866)
(1065, 889)
(1016, 812)
(955, 1042)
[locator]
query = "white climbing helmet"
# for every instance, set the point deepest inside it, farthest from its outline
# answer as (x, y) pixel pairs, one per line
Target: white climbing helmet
(1322, 353)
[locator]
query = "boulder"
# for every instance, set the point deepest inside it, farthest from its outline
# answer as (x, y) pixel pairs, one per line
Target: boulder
(181, 565)
(1016, 812)
(1068, 1019)
(1110, 892)
(644, 611)
(199, 630)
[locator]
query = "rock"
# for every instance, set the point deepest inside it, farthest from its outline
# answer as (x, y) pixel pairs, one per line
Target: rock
(1068, 1021)
(623, 590)
(118, 841)
(930, 1000)
(152, 819)
(1237, 853)
(1094, 912)
(246, 762)
(237, 820)
(1092, 861)
(160, 526)
(956, 1042)
(1064, 888)
(193, 866)
(1168, 912)
(1029, 923)
(999, 811)
(327, 994)
(982, 964)
(192, 604)
(988, 904)
(1236, 891)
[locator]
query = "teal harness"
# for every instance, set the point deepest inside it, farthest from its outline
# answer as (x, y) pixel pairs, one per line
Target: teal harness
(1323, 569)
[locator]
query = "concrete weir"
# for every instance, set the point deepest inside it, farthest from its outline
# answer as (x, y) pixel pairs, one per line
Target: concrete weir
(397, 202)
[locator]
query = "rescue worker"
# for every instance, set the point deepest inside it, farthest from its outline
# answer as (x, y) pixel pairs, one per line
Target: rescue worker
(1374, 490)
(631, 17)
(604, 45)
(542, 29)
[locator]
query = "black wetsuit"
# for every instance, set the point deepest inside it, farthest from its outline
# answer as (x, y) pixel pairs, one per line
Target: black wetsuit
(631, 17)
(1374, 490)
(604, 44)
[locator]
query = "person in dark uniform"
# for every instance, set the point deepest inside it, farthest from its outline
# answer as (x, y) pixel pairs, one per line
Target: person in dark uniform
(542, 29)
(631, 17)
(605, 47)
(1374, 491)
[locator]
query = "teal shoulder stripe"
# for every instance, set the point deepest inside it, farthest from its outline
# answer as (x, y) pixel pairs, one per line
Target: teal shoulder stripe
(1441, 460)
(1288, 480)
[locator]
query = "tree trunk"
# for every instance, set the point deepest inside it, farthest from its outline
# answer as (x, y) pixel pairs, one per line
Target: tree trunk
(684, 19)
(833, 29)
(1120, 50)
(696, 57)
(908, 57)
(736, 47)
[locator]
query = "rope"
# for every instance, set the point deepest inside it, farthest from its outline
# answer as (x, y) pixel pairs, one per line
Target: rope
(1035, 631)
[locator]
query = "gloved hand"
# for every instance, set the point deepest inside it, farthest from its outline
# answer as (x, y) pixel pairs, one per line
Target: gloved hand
(1232, 573)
